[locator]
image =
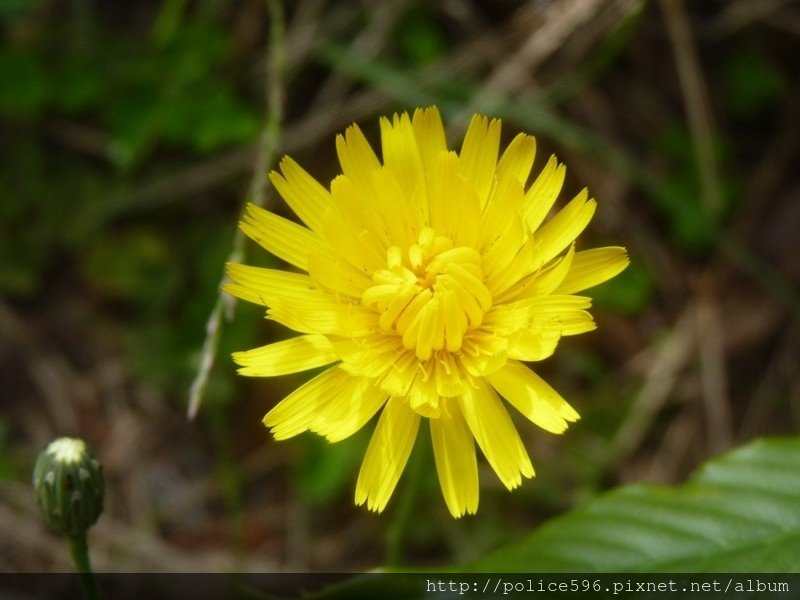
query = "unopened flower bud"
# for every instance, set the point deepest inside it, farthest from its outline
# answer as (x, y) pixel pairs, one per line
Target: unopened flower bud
(68, 482)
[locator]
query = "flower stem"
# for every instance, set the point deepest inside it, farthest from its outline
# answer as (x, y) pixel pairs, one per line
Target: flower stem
(79, 550)
(267, 149)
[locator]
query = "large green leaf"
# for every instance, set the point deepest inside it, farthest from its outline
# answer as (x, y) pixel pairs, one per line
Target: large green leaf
(740, 512)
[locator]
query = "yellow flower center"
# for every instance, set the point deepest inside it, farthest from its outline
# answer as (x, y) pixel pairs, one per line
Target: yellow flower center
(431, 296)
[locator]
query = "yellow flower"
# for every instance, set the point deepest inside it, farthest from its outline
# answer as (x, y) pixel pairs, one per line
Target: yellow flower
(425, 280)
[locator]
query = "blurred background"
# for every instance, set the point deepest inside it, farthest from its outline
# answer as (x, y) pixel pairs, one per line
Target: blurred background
(129, 135)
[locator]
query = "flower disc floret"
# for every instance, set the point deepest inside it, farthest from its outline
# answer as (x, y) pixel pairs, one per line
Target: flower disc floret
(431, 295)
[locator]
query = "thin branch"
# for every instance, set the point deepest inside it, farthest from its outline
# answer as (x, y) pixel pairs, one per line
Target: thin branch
(714, 372)
(663, 373)
(560, 21)
(738, 15)
(257, 194)
(695, 97)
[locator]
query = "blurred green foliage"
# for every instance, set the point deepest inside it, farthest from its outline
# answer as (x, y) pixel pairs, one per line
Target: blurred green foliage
(95, 109)
(679, 198)
(325, 472)
(95, 112)
(630, 292)
(175, 88)
(134, 102)
(751, 85)
(419, 37)
(23, 84)
(176, 93)
(10, 465)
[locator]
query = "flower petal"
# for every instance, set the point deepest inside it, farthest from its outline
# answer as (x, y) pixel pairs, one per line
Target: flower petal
(564, 227)
(507, 318)
(289, 356)
(356, 156)
(517, 159)
(478, 156)
(281, 237)
(454, 205)
(324, 314)
(496, 434)
(541, 196)
(564, 315)
(451, 379)
(541, 282)
(532, 345)
(337, 275)
(429, 131)
(454, 452)
(304, 194)
(480, 365)
(344, 413)
(387, 454)
(401, 155)
(355, 242)
(516, 264)
(531, 396)
(295, 302)
(423, 396)
(267, 286)
(402, 217)
(592, 267)
(505, 202)
(358, 213)
(398, 378)
(370, 355)
(295, 413)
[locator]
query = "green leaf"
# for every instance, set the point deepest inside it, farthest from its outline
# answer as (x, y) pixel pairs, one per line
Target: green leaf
(739, 513)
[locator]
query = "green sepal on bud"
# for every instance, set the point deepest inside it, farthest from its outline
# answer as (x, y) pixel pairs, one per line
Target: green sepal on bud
(68, 481)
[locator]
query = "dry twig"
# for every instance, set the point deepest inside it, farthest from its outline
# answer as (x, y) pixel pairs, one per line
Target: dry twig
(696, 102)
(257, 195)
